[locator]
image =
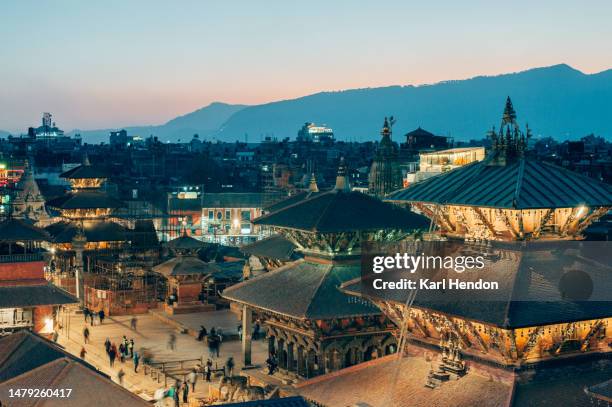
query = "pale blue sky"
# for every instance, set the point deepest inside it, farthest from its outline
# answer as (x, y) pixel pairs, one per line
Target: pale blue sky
(116, 63)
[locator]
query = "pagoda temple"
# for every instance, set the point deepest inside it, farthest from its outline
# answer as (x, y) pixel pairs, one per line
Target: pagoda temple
(311, 326)
(84, 224)
(385, 174)
(530, 324)
(509, 195)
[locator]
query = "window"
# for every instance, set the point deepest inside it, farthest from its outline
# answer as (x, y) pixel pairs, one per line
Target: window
(227, 215)
(245, 228)
(219, 215)
(211, 215)
(245, 215)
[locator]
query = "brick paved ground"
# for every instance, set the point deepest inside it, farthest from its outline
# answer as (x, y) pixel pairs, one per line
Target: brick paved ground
(152, 333)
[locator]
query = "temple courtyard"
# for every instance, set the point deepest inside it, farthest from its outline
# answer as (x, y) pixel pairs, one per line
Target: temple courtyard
(152, 334)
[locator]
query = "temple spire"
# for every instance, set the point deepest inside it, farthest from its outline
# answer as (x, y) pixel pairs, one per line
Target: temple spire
(86, 159)
(509, 142)
(342, 180)
(509, 116)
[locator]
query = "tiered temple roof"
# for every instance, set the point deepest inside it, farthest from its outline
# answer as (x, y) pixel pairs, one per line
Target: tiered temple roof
(302, 290)
(273, 247)
(342, 211)
(16, 230)
(330, 225)
(85, 200)
(509, 195)
(529, 291)
(522, 184)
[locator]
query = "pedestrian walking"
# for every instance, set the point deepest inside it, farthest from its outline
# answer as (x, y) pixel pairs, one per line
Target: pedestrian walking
(208, 370)
(192, 377)
(101, 316)
(175, 395)
(122, 352)
(86, 313)
(83, 352)
(239, 331)
(120, 375)
(86, 335)
(107, 345)
(112, 354)
(130, 347)
(55, 336)
(133, 323)
(92, 317)
(229, 367)
(185, 392)
(202, 333)
(220, 334)
(136, 360)
(172, 341)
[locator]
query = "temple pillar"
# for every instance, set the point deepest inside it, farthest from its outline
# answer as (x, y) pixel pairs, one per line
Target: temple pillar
(300, 360)
(78, 244)
(290, 359)
(322, 362)
(271, 348)
(247, 320)
(281, 354)
(310, 364)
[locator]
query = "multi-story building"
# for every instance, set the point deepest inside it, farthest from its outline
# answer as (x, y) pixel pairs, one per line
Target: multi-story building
(27, 300)
(226, 217)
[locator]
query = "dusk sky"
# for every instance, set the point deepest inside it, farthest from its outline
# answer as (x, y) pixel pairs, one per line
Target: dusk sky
(118, 63)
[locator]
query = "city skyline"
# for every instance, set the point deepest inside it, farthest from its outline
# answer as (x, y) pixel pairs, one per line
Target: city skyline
(97, 66)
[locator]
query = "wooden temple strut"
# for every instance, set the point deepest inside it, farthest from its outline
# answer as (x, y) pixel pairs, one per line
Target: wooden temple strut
(400, 344)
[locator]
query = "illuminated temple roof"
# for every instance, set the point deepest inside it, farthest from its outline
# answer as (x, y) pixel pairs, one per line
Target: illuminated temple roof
(522, 184)
(529, 291)
(85, 200)
(341, 211)
(64, 232)
(509, 178)
(302, 290)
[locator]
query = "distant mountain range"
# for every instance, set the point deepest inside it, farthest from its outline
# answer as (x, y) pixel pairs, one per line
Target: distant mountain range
(557, 101)
(204, 121)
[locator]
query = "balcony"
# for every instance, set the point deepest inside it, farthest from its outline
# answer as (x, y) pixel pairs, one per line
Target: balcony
(21, 258)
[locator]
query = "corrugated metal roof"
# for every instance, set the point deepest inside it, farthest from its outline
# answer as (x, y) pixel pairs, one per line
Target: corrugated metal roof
(521, 184)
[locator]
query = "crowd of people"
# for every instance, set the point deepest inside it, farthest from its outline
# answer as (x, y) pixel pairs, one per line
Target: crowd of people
(126, 349)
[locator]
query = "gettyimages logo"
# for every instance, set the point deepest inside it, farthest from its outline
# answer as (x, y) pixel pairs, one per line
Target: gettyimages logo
(549, 272)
